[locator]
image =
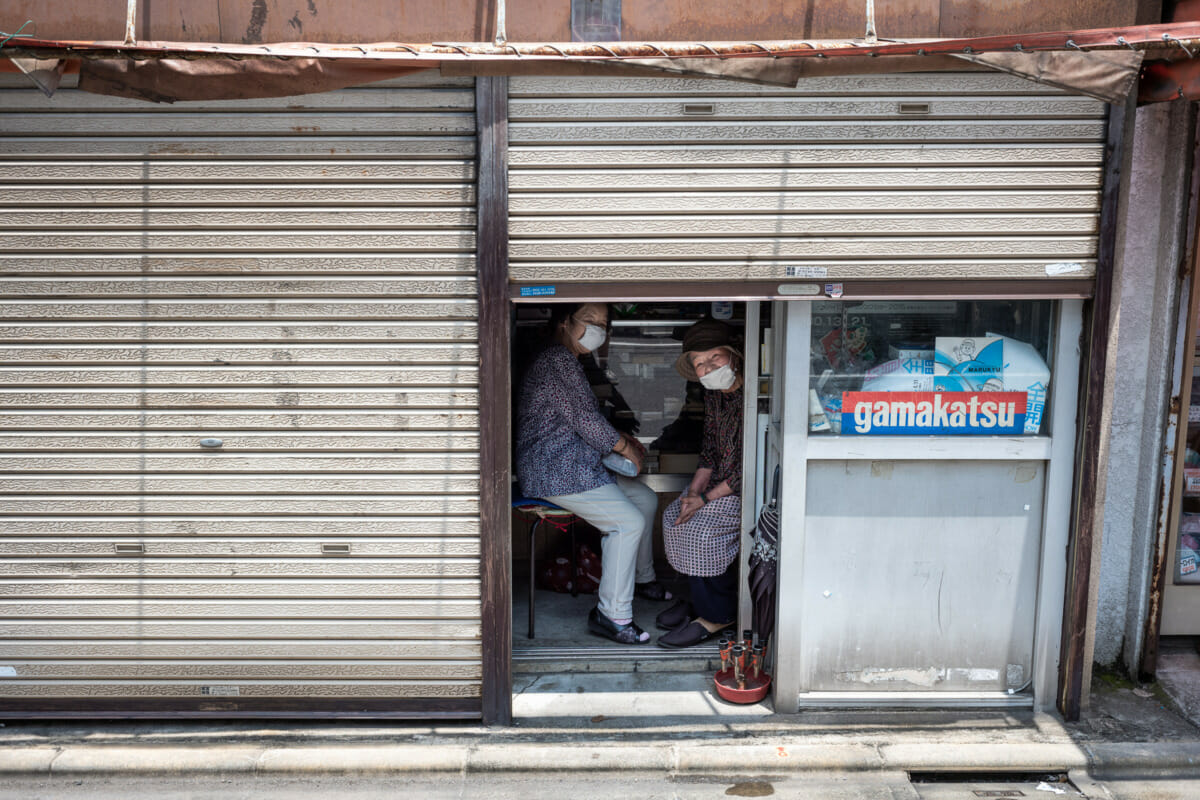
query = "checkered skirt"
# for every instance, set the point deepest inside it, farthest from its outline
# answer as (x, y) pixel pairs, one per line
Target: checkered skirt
(707, 543)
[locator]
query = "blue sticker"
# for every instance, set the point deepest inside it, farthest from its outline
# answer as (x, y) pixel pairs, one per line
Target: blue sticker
(537, 291)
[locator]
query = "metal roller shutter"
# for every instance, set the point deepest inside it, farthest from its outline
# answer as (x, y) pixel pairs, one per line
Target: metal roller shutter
(973, 175)
(296, 278)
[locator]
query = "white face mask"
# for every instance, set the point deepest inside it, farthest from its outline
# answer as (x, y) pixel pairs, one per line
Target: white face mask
(593, 337)
(719, 379)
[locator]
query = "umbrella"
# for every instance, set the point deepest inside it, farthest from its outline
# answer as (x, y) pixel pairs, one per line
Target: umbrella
(764, 558)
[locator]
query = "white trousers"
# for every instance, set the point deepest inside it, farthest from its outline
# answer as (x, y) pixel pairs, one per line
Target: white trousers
(624, 512)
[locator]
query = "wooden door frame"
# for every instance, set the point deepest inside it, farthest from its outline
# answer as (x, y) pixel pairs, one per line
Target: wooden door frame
(1097, 321)
(495, 470)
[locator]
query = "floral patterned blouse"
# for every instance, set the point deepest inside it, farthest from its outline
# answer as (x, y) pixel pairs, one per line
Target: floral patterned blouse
(561, 434)
(721, 446)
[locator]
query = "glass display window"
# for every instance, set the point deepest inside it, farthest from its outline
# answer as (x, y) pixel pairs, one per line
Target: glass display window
(1186, 562)
(633, 373)
(932, 367)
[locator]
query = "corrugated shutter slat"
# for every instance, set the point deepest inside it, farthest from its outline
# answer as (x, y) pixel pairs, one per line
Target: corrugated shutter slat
(294, 277)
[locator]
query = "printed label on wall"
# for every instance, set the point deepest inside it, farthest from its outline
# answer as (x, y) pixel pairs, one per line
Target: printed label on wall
(944, 413)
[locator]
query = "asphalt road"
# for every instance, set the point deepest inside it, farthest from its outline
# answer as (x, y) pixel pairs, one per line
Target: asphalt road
(580, 786)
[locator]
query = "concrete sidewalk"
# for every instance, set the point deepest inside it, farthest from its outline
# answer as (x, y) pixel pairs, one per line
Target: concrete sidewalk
(653, 723)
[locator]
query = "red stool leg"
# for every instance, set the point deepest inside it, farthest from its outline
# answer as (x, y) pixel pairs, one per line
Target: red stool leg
(532, 569)
(574, 560)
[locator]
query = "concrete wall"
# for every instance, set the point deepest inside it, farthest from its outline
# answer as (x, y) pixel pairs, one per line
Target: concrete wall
(1146, 294)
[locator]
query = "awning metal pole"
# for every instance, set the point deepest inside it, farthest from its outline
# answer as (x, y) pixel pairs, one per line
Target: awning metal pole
(501, 35)
(870, 36)
(130, 13)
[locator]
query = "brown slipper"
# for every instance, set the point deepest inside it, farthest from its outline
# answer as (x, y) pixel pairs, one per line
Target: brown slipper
(687, 636)
(674, 616)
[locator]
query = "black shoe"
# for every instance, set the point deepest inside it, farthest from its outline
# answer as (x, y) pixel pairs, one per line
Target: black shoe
(674, 616)
(651, 590)
(628, 633)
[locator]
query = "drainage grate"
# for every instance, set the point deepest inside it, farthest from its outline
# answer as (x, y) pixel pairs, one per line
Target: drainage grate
(970, 785)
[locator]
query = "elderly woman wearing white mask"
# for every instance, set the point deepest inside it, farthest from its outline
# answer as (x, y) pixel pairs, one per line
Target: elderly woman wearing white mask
(561, 439)
(702, 528)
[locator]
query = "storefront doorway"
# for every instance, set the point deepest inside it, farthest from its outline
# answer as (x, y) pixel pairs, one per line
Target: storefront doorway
(640, 393)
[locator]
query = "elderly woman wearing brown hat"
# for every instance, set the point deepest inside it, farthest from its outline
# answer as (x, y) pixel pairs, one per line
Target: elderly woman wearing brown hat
(702, 528)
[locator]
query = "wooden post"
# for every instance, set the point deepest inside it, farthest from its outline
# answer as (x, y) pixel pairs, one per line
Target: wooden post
(491, 115)
(1091, 407)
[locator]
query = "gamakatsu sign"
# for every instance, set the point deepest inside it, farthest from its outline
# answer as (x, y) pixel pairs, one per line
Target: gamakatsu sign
(989, 413)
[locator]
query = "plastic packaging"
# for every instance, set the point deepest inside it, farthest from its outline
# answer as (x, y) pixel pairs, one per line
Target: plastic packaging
(900, 375)
(615, 462)
(817, 420)
(968, 364)
(1025, 371)
(1188, 556)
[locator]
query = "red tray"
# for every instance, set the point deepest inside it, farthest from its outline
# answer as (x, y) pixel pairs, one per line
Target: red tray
(756, 688)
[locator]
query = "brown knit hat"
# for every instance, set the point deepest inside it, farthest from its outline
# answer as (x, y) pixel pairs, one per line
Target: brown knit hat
(704, 335)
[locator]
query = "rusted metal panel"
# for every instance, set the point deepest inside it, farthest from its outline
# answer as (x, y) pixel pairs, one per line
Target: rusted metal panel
(258, 21)
(102, 19)
(426, 55)
(683, 20)
(183, 290)
(991, 17)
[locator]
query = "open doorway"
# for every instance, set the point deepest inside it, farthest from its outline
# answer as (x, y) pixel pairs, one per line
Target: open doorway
(639, 392)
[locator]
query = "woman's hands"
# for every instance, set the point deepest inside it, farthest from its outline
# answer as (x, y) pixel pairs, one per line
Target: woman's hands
(631, 448)
(691, 501)
(689, 504)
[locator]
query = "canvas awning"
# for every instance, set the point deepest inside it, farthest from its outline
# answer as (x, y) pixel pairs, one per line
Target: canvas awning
(1102, 63)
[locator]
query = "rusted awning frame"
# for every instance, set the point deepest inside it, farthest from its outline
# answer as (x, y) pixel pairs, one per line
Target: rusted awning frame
(1182, 39)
